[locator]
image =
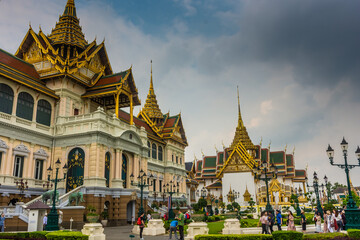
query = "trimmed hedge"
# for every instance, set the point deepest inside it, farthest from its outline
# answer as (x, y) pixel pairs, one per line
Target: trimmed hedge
(336, 235)
(60, 235)
(287, 235)
(233, 237)
(354, 233)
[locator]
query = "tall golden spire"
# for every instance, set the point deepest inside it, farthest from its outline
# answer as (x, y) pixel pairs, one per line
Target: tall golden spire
(241, 134)
(67, 30)
(151, 108)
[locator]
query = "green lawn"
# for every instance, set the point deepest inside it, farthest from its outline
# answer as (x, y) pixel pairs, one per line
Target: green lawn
(215, 227)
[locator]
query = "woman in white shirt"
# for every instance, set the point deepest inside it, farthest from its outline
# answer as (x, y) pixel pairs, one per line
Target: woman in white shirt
(330, 221)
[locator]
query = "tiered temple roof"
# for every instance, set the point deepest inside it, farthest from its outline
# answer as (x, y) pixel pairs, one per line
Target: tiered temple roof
(164, 125)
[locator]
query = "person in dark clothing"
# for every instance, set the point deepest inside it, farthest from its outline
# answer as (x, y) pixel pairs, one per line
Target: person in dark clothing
(278, 219)
(343, 219)
(303, 221)
(141, 225)
(271, 221)
(315, 214)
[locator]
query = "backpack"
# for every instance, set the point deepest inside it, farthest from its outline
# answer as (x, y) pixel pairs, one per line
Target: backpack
(138, 221)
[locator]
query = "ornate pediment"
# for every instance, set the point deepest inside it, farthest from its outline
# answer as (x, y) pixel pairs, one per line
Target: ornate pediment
(33, 54)
(41, 153)
(21, 149)
(3, 146)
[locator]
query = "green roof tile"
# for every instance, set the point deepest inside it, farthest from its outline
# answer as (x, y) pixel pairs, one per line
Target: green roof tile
(209, 162)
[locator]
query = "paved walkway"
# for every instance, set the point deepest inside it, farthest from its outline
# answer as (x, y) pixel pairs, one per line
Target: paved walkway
(123, 232)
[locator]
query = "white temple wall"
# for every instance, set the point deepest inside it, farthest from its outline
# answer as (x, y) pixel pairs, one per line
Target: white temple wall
(238, 182)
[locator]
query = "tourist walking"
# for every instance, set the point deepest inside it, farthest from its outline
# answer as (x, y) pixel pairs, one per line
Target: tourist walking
(291, 224)
(330, 221)
(318, 223)
(303, 221)
(181, 224)
(141, 224)
(338, 220)
(325, 222)
(173, 226)
(343, 217)
(315, 213)
(2, 222)
(45, 221)
(271, 222)
(279, 220)
(264, 222)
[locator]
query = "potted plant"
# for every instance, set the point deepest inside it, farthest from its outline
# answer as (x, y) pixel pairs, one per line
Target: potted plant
(104, 216)
(92, 216)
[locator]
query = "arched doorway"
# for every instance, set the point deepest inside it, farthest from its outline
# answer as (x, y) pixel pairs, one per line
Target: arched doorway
(107, 168)
(75, 176)
(124, 170)
(130, 212)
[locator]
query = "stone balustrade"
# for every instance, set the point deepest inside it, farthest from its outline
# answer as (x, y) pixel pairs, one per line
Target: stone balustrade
(196, 228)
(231, 226)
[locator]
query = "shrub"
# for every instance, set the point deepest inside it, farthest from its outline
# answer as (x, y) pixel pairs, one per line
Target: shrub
(38, 235)
(325, 236)
(250, 216)
(7, 235)
(354, 233)
(217, 218)
(62, 235)
(287, 235)
(167, 225)
(233, 237)
(211, 219)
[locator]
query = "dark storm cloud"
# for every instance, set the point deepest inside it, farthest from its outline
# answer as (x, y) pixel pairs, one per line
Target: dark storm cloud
(320, 39)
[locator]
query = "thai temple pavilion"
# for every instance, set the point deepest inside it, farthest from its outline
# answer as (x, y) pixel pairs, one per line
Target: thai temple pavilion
(229, 174)
(60, 99)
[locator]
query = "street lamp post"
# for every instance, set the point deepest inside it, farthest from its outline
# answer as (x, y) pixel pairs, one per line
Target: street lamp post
(22, 185)
(352, 212)
(266, 170)
(142, 178)
(53, 218)
(171, 189)
(316, 189)
(327, 189)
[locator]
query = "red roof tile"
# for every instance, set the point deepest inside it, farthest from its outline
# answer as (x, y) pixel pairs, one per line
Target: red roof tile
(18, 64)
(139, 123)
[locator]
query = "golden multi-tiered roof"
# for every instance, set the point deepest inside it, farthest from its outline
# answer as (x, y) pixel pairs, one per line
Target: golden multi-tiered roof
(67, 30)
(241, 134)
(151, 107)
(247, 195)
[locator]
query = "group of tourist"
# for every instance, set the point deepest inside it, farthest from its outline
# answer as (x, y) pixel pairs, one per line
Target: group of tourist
(333, 222)
(175, 225)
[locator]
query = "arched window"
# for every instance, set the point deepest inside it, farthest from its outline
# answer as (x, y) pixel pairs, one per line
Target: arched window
(25, 106)
(107, 168)
(148, 143)
(160, 153)
(43, 114)
(6, 98)
(154, 151)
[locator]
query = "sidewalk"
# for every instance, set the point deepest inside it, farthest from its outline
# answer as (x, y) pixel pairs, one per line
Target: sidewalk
(123, 232)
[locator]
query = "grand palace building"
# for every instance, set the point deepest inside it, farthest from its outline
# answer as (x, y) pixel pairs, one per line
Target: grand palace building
(229, 174)
(60, 99)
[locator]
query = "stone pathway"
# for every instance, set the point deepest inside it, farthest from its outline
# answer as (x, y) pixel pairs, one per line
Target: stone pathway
(123, 232)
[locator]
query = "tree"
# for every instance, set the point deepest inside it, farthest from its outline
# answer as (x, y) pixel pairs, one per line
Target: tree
(229, 207)
(202, 203)
(356, 198)
(251, 207)
(236, 206)
(294, 200)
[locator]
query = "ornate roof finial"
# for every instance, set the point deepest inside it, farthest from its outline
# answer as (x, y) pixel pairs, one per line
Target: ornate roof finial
(67, 30)
(293, 152)
(151, 107)
(222, 142)
(241, 134)
(260, 141)
(216, 148)
(285, 148)
(269, 144)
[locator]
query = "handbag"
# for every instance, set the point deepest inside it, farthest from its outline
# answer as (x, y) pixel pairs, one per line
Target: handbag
(336, 226)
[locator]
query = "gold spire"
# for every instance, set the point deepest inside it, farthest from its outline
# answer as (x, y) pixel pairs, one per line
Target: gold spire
(67, 30)
(241, 133)
(247, 195)
(151, 108)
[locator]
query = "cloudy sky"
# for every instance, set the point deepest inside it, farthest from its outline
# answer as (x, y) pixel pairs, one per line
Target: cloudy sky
(297, 65)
